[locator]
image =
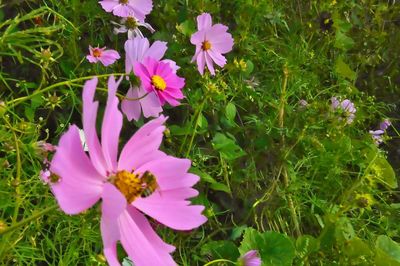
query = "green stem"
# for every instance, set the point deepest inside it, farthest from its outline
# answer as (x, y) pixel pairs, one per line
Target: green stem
(219, 260)
(63, 83)
(285, 175)
(195, 126)
(27, 220)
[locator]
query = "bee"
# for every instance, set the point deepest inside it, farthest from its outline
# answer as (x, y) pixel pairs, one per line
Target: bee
(149, 184)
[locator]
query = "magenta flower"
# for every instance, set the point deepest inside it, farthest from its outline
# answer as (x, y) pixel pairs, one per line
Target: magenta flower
(136, 50)
(106, 57)
(211, 42)
(251, 258)
(144, 180)
(126, 8)
(159, 77)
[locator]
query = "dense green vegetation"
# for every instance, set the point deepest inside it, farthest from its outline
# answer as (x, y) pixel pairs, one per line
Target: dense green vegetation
(289, 178)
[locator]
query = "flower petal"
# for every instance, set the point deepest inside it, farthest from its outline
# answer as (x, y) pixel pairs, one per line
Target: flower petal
(204, 21)
(135, 50)
(113, 205)
(80, 185)
(143, 145)
(111, 127)
(156, 50)
(89, 126)
(140, 249)
(108, 5)
(150, 104)
(146, 228)
(209, 62)
(131, 108)
(201, 62)
(175, 214)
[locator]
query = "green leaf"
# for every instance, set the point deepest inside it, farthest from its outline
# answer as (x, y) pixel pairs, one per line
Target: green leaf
(388, 251)
(220, 187)
(230, 111)
(249, 67)
(274, 248)
(187, 27)
(220, 250)
(215, 185)
(355, 248)
(237, 232)
(227, 147)
(380, 170)
(36, 101)
(343, 41)
(202, 122)
(306, 244)
(29, 113)
(343, 70)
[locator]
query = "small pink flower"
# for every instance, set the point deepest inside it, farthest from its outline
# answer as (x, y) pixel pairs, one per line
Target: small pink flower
(45, 175)
(159, 77)
(126, 8)
(251, 258)
(46, 147)
(211, 42)
(142, 181)
(136, 50)
(106, 57)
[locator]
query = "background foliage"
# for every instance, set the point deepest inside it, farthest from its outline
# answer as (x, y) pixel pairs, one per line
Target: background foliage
(292, 181)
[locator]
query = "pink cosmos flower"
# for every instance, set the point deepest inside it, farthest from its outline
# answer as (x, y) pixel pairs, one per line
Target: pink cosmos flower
(136, 50)
(211, 42)
(159, 77)
(143, 180)
(126, 8)
(106, 57)
(251, 258)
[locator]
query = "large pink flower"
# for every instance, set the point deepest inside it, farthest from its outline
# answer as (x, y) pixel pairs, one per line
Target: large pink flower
(144, 180)
(136, 50)
(211, 42)
(159, 77)
(105, 56)
(125, 8)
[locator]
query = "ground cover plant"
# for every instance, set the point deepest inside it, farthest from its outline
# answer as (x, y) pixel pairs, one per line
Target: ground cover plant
(202, 132)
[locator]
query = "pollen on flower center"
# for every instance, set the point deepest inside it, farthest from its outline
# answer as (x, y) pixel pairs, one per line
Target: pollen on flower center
(158, 82)
(206, 45)
(132, 185)
(96, 52)
(123, 2)
(131, 23)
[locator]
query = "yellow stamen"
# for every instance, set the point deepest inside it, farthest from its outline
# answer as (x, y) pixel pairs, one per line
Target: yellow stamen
(129, 184)
(206, 45)
(132, 185)
(131, 23)
(96, 52)
(158, 82)
(124, 2)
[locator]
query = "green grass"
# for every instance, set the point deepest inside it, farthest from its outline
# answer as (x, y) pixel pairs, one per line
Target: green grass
(293, 174)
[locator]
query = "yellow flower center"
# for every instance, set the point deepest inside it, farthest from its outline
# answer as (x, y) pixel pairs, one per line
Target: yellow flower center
(132, 185)
(131, 23)
(206, 45)
(96, 52)
(124, 2)
(158, 82)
